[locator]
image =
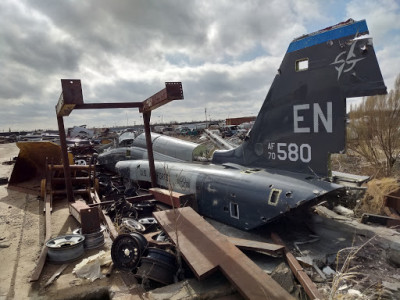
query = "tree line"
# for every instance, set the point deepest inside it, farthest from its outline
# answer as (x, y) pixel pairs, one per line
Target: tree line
(374, 130)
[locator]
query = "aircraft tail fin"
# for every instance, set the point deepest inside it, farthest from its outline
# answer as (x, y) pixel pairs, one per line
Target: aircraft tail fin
(303, 118)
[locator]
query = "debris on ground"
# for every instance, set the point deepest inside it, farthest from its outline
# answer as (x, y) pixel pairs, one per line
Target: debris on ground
(374, 200)
(90, 268)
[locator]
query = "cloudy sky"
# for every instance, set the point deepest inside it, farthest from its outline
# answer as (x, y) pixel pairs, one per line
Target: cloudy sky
(225, 53)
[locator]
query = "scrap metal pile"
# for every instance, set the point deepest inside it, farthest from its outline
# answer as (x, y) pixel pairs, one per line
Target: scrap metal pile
(153, 195)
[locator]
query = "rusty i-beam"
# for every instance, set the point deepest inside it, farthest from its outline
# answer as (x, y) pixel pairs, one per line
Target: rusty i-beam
(305, 281)
(72, 98)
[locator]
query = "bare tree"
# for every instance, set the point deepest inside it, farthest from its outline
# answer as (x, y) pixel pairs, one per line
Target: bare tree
(374, 130)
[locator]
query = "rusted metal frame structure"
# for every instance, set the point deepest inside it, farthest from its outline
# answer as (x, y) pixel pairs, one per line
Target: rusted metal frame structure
(72, 98)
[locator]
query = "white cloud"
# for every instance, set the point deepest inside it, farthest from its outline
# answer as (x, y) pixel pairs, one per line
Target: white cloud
(226, 53)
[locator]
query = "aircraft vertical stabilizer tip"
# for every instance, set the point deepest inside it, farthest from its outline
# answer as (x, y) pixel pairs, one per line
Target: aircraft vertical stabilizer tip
(283, 163)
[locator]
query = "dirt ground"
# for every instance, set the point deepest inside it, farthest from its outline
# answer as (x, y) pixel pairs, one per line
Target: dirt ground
(21, 240)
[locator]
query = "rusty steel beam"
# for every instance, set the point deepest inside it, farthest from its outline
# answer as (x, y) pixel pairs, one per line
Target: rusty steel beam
(256, 246)
(90, 221)
(174, 199)
(65, 161)
(106, 219)
(71, 96)
(170, 198)
(378, 219)
(172, 91)
(393, 201)
(134, 199)
(298, 271)
(109, 105)
(205, 250)
(149, 145)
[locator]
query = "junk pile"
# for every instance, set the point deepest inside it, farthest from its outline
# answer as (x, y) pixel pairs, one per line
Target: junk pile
(142, 247)
(131, 252)
(149, 243)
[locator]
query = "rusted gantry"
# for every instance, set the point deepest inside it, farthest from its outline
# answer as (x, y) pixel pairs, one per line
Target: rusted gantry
(72, 98)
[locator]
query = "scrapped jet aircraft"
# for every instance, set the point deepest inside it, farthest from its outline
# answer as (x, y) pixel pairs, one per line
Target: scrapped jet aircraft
(165, 148)
(284, 162)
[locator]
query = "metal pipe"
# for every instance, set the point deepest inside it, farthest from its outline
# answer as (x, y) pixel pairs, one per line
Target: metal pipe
(149, 144)
(64, 155)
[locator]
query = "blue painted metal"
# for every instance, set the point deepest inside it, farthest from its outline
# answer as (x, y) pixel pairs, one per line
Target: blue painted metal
(346, 30)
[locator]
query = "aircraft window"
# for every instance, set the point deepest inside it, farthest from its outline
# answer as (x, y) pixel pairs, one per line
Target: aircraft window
(274, 197)
(234, 210)
(301, 64)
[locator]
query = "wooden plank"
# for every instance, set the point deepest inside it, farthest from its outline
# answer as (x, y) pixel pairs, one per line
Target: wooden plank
(48, 216)
(298, 271)
(205, 250)
(56, 275)
(43, 254)
(39, 266)
(256, 246)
